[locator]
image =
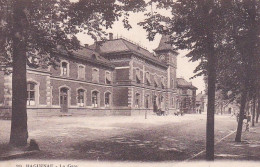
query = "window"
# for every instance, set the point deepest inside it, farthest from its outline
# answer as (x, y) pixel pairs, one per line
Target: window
(163, 82)
(81, 98)
(154, 100)
(95, 99)
(137, 100)
(173, 102)
(184, 91)
(147, 76)
(172, 83)
(64, 69)
(162, 102)
(107, 99)
(108, 78)
(138, 76)
(31, 94)
(95, 75)
(155, 82)
(81, 72)
(147, 101)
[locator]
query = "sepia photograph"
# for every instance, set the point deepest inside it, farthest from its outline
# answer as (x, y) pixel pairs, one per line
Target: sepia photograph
(135, 83)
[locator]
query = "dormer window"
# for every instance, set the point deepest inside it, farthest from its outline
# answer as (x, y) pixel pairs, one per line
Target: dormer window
(64, 68)
(138, 76)
(108, 78)
(94, 56)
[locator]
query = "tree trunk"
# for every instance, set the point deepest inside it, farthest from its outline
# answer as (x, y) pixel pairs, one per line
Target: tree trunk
(253, 111)
(241, 114)
(19, 133)
(258, 110)
(211, 100)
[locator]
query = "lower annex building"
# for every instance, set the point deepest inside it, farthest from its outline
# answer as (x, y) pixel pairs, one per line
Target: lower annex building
(117, 77)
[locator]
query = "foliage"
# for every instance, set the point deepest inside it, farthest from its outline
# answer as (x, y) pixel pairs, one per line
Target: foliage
(55, 23)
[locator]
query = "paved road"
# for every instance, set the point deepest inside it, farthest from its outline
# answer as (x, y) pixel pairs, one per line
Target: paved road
(155, 139)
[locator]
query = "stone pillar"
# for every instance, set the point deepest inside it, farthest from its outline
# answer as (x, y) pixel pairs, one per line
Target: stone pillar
(48, 91)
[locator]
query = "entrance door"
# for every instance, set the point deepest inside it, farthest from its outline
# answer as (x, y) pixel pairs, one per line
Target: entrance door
(64, 99)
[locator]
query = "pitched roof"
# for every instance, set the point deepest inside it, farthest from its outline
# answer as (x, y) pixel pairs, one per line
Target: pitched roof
(163, 45)
(89, 55)
(182, 83)
(123, 45)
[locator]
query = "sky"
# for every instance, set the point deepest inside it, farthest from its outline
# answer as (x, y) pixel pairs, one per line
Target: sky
(138, 35)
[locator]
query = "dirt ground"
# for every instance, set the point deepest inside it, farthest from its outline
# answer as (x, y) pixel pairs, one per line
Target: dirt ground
(122, 138)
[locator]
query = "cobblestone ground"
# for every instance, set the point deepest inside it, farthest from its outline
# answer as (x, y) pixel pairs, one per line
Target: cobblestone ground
(122, 138)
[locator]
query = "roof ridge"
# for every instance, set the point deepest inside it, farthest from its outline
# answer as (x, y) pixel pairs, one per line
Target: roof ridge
(123, 40)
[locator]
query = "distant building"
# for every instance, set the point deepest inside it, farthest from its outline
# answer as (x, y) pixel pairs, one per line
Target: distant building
(186, 96)
(200, 103)
(117, 77)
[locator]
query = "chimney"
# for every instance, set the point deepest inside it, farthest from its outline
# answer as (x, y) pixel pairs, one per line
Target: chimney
(110, 36)
(86, 45)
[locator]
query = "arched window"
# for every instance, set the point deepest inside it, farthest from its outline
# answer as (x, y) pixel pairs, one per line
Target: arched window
(137, 100)
(31, 94)
(138, 76)
(173, 102)
(155, 81)
(155, 100)
(147, 76)
(107, 99)
(64, 68)
(163, 82)
(81, 72)
(108, 77)
(147, 101)
(81, 98)
(95, 99)
(95, 75)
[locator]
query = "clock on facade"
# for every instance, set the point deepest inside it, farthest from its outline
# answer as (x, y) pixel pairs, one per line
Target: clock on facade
(162, 57)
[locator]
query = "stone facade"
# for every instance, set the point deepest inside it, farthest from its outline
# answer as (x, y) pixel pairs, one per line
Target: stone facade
(117, 77)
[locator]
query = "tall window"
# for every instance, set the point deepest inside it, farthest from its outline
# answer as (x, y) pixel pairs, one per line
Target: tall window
(155, 82)
(81, 72)
(173, 102)
(137, 100)
(81, 98)
(94, 99)
(162, 102)
(147, 101)
(163, 82)
(64, 69)
(147, 77)
(107, 99)
(108, 78)
(154, 100)
(95, 75)
(138, 76)
(31, 94)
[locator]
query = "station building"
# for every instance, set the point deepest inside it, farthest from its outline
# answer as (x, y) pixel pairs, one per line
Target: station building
(116, 77)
